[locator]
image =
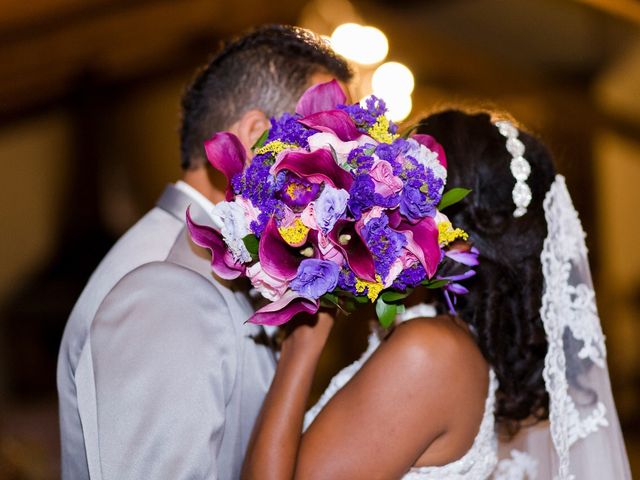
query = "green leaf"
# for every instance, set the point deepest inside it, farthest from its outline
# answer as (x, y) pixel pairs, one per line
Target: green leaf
(393, 296)
(435, 283)
(251, 242)
(452, 196)
(331, 298)
(386, 312)
(361, 299)
(261, 141)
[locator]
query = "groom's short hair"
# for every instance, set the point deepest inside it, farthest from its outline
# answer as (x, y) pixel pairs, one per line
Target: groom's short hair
(267, 69)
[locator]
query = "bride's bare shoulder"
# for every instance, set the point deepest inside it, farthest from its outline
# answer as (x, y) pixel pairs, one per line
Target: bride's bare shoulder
(436, 340)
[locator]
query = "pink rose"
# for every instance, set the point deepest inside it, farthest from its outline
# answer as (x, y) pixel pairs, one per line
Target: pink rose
(329, 250)
(386, 183)
(250, 212)
(288, 218)
(375, 212)
(308, 217)
(271, 288)
(404, 261)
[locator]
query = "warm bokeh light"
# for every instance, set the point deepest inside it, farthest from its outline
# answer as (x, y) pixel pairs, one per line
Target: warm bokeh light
(392, 78)
(365, 45)
(398, 106)
(394, 82)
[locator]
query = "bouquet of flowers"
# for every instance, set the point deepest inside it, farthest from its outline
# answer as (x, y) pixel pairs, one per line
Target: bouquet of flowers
(335, 209)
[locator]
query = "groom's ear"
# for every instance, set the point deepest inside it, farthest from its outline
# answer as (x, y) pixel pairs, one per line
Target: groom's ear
(250, 127)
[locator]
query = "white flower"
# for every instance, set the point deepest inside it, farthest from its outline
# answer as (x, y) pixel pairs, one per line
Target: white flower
(229, 218)
(427, 158)
(441, 218)
(342, 149)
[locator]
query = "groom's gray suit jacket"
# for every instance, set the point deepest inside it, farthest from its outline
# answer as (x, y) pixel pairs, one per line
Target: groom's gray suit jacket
(158, 375)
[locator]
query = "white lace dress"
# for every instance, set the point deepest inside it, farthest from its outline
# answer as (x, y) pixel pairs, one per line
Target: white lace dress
(477, 464)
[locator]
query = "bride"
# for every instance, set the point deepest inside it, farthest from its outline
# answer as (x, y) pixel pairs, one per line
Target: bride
(513, 386)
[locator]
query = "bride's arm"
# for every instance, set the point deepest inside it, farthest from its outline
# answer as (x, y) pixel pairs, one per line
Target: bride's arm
(273, 449)
(376, 427)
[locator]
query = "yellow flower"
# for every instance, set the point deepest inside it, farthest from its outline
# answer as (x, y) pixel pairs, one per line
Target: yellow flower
(373, 288)
(380, 131)
(275, 147)
(294, 234)
(447, 234)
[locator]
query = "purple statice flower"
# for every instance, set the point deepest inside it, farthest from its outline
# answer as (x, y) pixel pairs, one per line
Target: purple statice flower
(410, 277)
(435, 186)
(391, 153)
(347, 280)
(365, 117)
(258, 186)
(330, 207)
(390, 202)
(286, 128)
(384, 243)
(360, 159)
(414, 204)
(361, 195)
(315, 278)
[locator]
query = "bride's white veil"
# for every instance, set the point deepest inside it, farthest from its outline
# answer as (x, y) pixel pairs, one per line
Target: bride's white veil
(582, 439)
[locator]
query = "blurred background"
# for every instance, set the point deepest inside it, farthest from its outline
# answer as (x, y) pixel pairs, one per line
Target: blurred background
(89, 111)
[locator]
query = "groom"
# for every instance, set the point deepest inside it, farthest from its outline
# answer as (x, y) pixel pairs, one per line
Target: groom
(158, 375)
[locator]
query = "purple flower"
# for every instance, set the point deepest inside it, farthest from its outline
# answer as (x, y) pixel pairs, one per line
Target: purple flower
(347, 280)
(226, 154)
(391, 151)
(410, 277)
(330, 207)
(365, 117)
(288, 130)
(384, 242)
(360, 159)
(258, 186)
(416, 205)
(320, 98)
(315, 278)
(361, 195)
(297, 192)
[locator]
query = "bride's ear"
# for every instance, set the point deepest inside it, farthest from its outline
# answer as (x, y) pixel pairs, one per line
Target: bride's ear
(250, 127)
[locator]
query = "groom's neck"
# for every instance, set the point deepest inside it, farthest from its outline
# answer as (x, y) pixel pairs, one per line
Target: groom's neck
(208, 182)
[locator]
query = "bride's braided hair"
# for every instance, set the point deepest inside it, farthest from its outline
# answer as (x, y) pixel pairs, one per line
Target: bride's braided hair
(504, 297)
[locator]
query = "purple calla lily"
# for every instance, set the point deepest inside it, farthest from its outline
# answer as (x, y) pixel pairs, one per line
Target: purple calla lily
(464, 255)
(321, 97)
(346, 237)
(431, 143)
(337, 122)
(459, 277)
(315, 167)
(283, 310)
(278, 258)
(222, 262)
(422, 241)
(226, 154)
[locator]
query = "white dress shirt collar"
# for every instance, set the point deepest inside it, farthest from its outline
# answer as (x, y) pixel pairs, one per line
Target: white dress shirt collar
(206, 204)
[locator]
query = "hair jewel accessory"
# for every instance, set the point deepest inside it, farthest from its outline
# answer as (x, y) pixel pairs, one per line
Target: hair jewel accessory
(520, 167)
